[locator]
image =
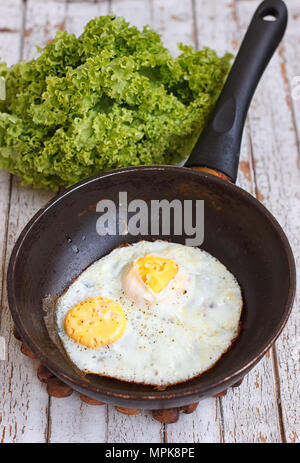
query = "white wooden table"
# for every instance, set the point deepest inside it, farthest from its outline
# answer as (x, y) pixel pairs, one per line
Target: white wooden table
(266, 406)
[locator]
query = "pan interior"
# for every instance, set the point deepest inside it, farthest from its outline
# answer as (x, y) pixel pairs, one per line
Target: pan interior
(61, 241)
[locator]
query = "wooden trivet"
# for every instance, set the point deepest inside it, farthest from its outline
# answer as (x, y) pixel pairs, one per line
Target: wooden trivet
(57, 388)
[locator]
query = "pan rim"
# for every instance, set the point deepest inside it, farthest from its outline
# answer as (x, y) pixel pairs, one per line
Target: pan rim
(151, 396)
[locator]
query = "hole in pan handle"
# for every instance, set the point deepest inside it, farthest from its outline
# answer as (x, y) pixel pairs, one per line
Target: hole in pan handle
(218, 147)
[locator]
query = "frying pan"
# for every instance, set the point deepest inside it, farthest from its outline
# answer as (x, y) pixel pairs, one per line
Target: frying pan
(61, 240)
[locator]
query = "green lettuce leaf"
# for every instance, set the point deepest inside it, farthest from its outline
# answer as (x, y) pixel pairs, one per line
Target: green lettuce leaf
(114, 97)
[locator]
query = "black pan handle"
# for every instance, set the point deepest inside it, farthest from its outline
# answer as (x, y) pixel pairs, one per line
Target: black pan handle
(218, 147)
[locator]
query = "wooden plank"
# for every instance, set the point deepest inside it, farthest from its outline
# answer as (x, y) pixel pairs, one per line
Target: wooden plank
(11, 24)
(71, 419)
(250, 413)
(42, 20)
(202, 426)
(276, 156)
(10, 51)
(138, 13)
(79, 14)
(25, 401)
(25, 410)
(290, 61)
(288, 352)
(243, 420)
(133, 429)
(138, 428)
(14, 398)
(174, 20)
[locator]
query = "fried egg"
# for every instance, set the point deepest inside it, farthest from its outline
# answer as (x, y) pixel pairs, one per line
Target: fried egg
(156, 313)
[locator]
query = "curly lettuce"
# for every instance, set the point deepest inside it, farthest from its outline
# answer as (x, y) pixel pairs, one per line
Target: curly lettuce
(113, 97)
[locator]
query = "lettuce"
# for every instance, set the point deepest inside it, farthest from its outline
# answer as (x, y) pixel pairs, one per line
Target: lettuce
(113, 97)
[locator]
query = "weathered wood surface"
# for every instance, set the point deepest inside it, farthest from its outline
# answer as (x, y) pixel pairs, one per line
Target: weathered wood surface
(265, 407)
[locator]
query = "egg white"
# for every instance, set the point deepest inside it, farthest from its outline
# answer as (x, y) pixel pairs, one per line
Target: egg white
(165, 342)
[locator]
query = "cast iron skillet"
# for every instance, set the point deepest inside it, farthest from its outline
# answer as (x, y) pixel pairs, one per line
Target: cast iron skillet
(61, 240)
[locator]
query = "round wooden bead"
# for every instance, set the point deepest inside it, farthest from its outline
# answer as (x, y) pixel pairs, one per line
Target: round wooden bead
(89, 400)
(26, 351)
(167, 416)
(44, 374)
(190, 408)
(238, 383)
(56, 388)
(16, 333)
(128, 411)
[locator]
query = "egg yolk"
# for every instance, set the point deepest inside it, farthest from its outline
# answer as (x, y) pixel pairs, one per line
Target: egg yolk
(156, 272)
(95, 322)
